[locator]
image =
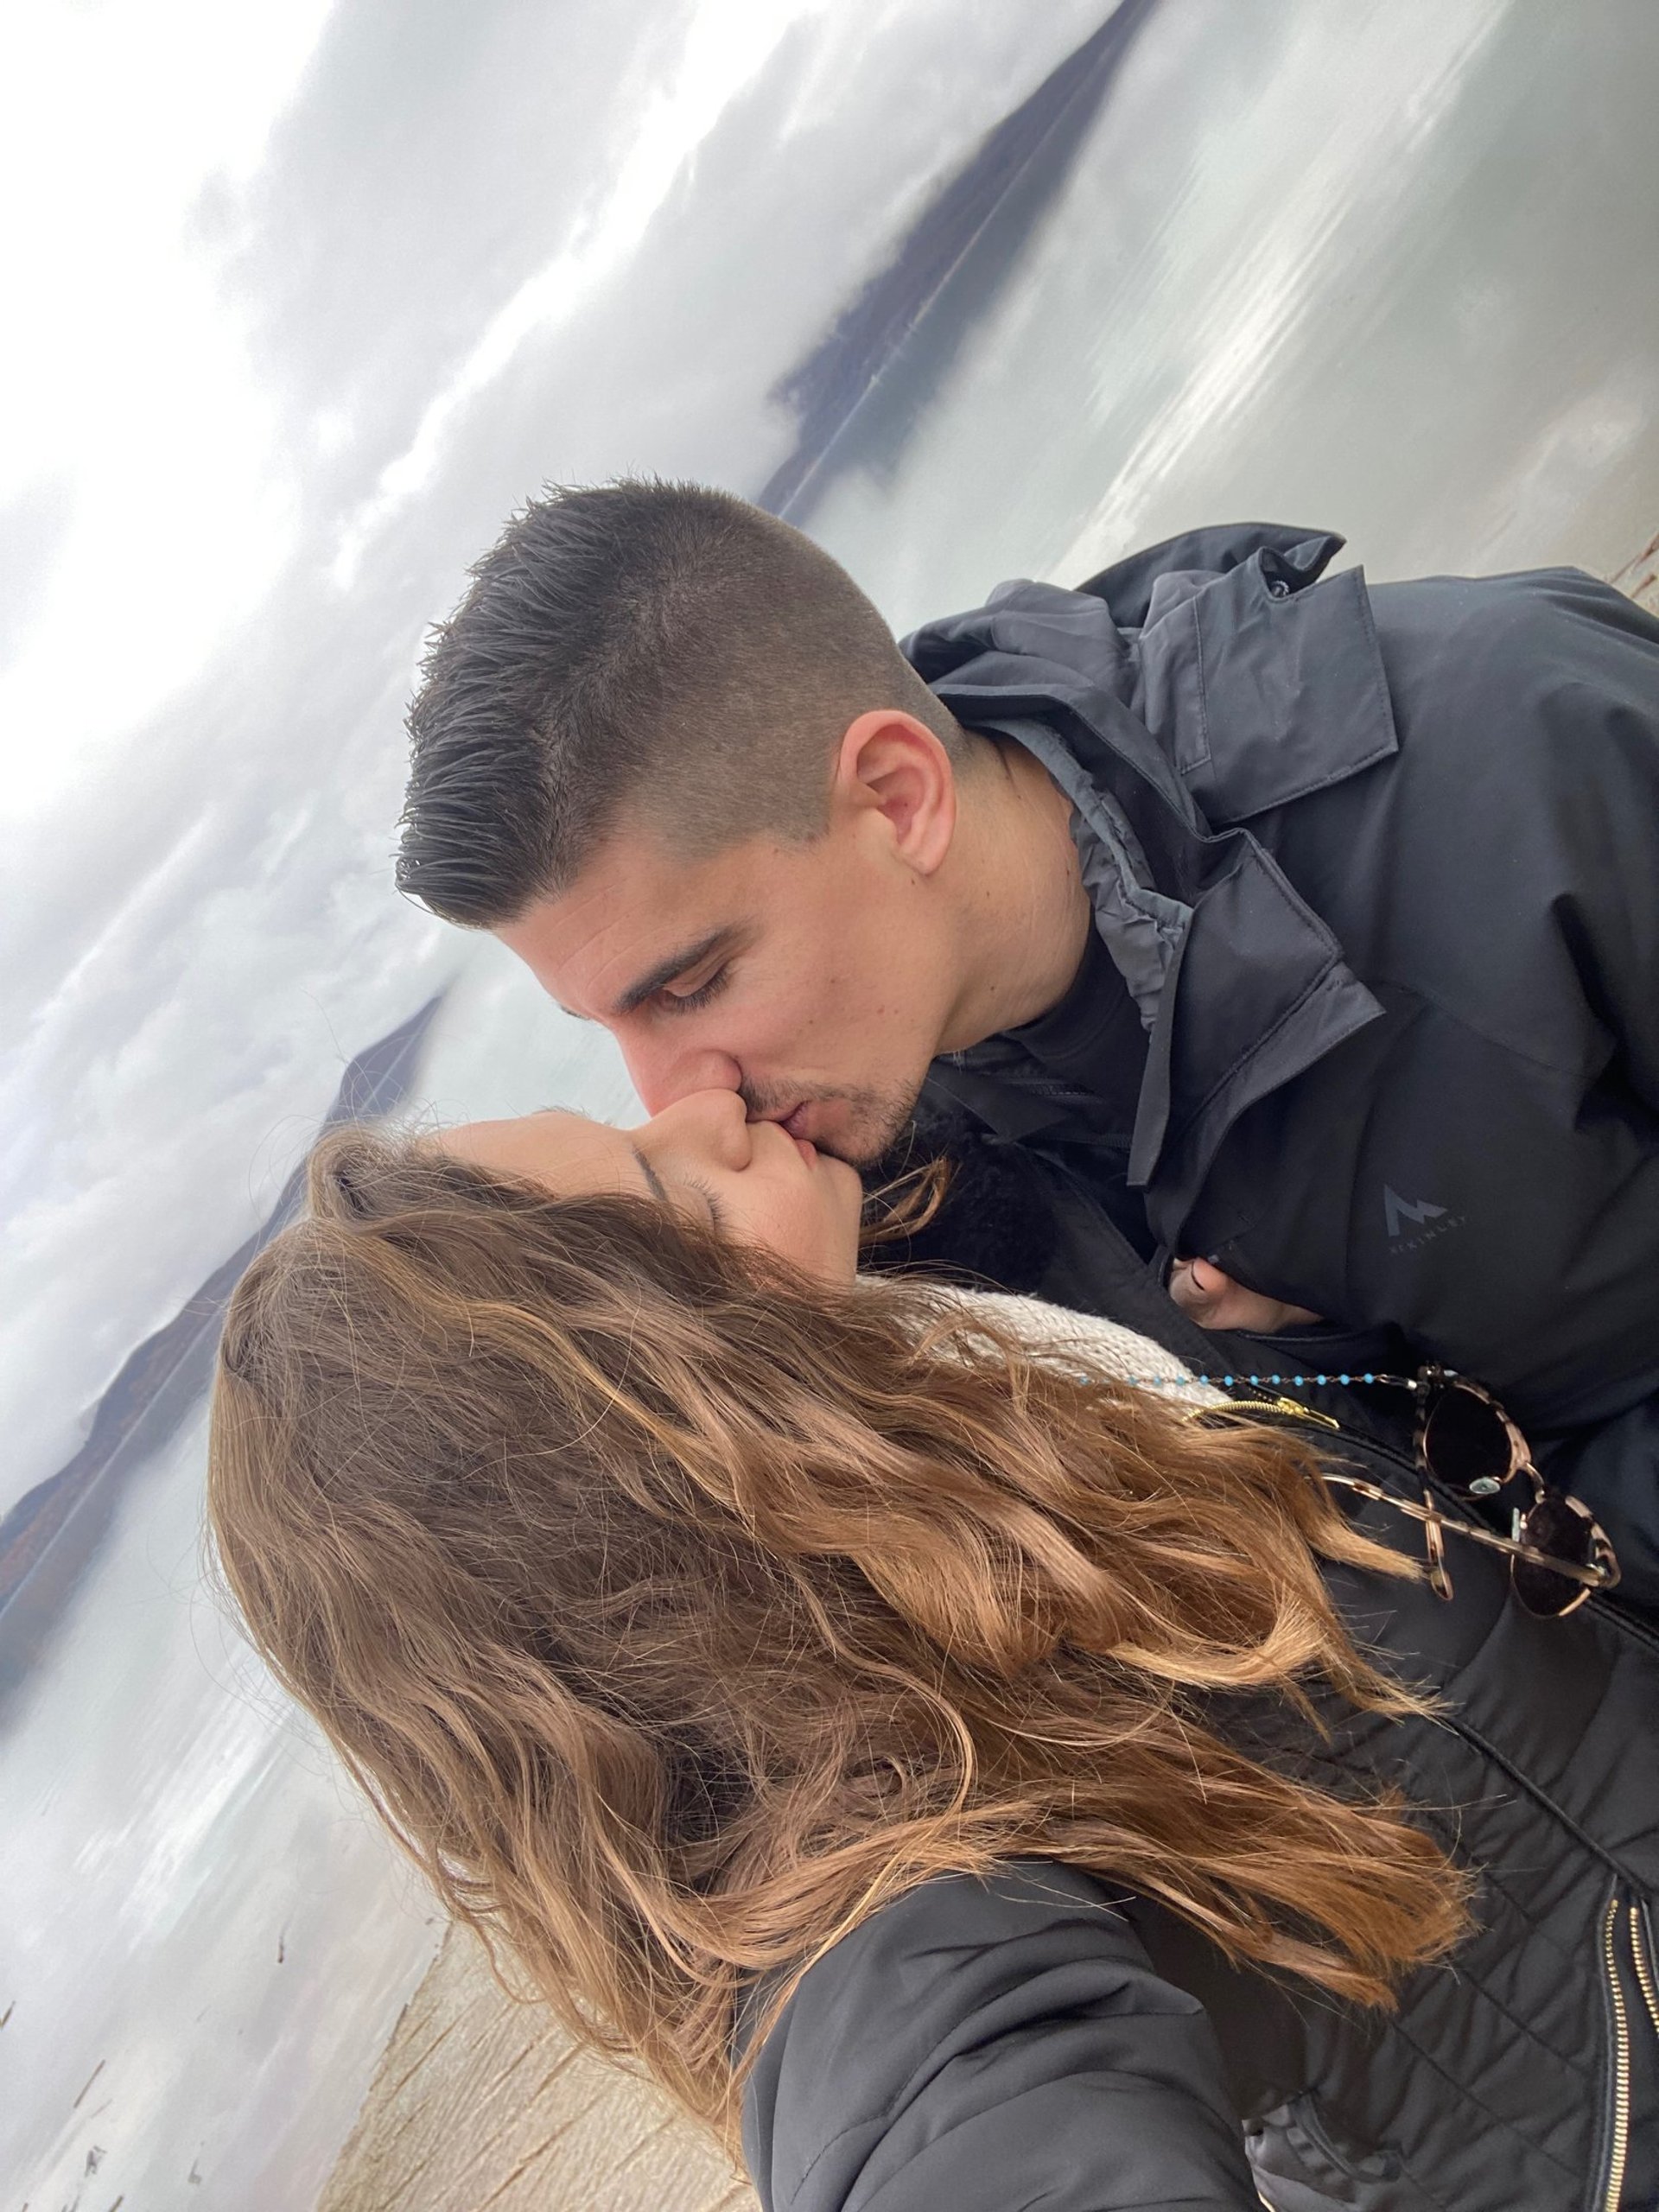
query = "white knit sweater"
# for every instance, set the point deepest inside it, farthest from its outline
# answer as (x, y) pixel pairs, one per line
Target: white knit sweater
(1055, 1330)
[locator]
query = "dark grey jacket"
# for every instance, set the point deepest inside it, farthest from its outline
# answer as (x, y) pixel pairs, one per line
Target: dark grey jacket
(1381, 869)
(1048, 2041)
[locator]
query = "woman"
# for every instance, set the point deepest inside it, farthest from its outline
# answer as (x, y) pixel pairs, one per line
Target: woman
(991, 1781)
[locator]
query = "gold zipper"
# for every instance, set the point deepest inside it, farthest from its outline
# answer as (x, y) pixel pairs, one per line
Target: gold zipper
(1643, 1970)
(1621, 2144)
(1292, 1407)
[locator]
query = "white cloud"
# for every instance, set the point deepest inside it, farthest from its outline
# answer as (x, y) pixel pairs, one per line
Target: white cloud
(118, 125)
(728, 43)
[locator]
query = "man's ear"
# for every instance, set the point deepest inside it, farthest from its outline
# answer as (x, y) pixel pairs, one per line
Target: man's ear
(892, 770)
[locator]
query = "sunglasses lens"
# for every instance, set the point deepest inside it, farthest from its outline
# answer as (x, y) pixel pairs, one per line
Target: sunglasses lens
(1465, 1442)
(1556, 1527)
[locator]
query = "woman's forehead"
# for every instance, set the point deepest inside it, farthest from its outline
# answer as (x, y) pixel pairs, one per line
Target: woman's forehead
(566, 1151)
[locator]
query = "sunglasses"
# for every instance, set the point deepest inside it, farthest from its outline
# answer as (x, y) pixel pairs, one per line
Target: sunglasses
(1559, 1554)
(1465, 1442)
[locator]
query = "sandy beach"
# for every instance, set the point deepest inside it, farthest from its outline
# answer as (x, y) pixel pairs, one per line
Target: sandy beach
(481, 2101)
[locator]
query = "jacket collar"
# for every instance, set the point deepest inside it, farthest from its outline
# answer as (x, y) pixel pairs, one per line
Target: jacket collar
(1239, 688)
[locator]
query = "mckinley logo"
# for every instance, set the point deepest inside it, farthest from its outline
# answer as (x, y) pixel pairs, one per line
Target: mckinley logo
(1399, 1211)
(1404, 1215)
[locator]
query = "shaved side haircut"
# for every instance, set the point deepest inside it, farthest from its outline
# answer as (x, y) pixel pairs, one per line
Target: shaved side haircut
(658, 651)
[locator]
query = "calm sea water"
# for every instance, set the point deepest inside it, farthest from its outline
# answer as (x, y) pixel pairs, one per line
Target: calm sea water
(1386, 269)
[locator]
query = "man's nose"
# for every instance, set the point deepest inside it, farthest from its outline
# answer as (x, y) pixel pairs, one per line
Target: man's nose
(663, 1071)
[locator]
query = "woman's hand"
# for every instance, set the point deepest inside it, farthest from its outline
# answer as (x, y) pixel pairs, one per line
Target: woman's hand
(1216, 1301)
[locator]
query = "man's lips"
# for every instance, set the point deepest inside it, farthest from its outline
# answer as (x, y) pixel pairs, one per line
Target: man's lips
(793, 1126)
(796, 1123)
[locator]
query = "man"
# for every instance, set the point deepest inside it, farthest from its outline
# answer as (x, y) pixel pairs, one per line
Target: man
(1303, 935)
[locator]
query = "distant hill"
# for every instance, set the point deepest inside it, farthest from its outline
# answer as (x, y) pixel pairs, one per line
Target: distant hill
(50, 1536)
(857, 395)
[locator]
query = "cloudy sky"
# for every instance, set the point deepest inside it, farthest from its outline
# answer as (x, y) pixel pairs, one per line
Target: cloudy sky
(303, 298)
(317, 296)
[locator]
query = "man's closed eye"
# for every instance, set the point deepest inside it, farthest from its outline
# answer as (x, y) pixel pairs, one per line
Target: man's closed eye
(683, 1002)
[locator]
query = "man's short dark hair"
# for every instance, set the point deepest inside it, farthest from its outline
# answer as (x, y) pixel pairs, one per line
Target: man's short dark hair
(662, 652)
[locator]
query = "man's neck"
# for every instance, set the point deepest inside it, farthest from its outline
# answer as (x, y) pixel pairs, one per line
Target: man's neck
(1024, 916)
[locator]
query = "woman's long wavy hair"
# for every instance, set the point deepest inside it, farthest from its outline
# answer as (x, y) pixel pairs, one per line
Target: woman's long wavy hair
(675, 1612)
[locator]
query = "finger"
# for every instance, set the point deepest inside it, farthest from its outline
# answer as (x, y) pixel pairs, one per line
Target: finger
(1190, 1295)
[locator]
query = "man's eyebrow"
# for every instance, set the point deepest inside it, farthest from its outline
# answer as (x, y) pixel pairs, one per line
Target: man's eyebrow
(648, 984)
(653, 1180)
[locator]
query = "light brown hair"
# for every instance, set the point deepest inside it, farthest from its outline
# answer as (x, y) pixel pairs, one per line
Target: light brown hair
(663, 650)
(675, 1612)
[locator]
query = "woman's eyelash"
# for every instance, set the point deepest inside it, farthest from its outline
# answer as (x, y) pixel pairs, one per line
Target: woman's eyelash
(716, 1211)
(687, 1001)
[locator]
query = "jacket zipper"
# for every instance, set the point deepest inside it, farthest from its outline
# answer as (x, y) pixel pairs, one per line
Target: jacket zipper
(1620, 2148)
(1643, 1968)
